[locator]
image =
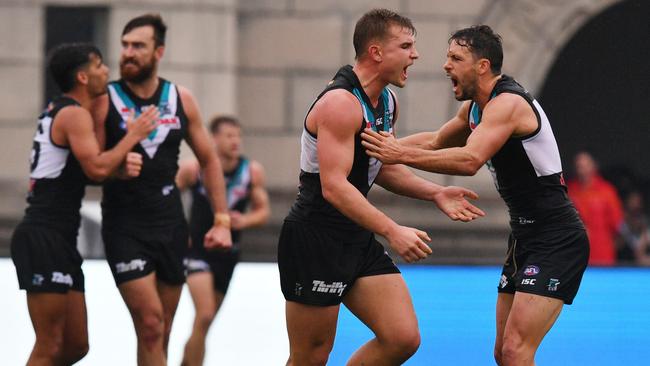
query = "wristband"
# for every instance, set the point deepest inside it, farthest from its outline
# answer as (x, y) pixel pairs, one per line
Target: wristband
(222, 219)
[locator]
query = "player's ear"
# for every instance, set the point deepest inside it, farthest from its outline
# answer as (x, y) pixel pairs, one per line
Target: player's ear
(484, 66)
(375, 52)
(159, 52)
(81, 77)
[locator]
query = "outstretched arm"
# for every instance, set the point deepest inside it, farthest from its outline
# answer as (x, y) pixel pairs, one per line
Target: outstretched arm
(496, 127)
(450, 200)
(453, 133)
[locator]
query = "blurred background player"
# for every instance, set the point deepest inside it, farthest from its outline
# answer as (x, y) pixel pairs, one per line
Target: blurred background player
(144, 230)
(633, 242)
(44, 244)
(209, 271)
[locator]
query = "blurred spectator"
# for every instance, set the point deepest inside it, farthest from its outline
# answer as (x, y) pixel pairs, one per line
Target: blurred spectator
(634, 238)
(599, 207)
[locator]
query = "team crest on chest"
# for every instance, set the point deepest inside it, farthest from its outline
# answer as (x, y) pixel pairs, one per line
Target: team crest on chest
(167, 121)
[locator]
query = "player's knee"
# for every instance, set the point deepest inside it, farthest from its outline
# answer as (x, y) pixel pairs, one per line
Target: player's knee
(204, 320)
(319, 357)
(513, 351)
(75, 352)
(50, 347)
(498, 356)
(151, 327)
(317, 354)
(402, 344)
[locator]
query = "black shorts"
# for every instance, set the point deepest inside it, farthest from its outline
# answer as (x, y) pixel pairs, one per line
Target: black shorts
(319, 265)
(46, 260)
(549, 264)
(133, 254)
(221, 264)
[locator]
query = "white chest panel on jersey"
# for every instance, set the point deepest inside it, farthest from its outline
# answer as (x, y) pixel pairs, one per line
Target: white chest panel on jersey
(46, 160)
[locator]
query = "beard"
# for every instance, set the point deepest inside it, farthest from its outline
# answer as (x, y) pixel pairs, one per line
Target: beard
(468, 90)
(142, 72)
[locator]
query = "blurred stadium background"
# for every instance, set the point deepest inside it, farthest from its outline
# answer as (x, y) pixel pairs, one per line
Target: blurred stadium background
(265, 60)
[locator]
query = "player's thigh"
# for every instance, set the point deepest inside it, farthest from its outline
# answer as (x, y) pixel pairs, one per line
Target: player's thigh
(47, 312)
(201, 287)
(169, 295)
(504, 305)
(384, 304)
(531, 317)
(311, 326)
(76, 319)
(141, 295)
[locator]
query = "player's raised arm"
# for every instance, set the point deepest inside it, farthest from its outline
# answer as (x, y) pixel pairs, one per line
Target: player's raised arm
(77, 126)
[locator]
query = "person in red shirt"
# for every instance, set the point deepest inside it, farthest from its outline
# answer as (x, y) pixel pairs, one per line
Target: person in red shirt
(600, 209)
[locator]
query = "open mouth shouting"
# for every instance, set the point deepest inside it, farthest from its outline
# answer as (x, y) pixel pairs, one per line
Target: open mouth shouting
(454, 83)
(405, 72)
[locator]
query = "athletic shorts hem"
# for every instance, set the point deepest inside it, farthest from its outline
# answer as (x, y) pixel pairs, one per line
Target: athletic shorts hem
(195, 271)
(303, 301)
(559, 297)
(383, 271)
(62, 291)
(135, 276)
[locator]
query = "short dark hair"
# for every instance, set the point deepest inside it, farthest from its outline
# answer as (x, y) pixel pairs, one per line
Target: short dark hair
(483, 43)
(65, 60)
(153, 20)
(375, 24)
(218, 121)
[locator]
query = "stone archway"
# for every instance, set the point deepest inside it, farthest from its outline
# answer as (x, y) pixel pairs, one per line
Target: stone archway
(537, 30)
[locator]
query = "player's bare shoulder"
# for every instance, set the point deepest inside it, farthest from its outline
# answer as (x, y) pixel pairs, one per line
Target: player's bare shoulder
(71, 115)
(337, 108)
(257, 172)
(190, 105)
(516, 110)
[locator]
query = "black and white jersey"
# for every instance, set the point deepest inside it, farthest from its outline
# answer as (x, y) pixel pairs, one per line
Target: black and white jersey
(152, 198)
(310, 204)
(57, 182)
(527, 171)
(238, 192)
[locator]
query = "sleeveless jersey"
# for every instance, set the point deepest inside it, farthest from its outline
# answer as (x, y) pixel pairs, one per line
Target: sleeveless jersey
(310, 205)
(57, 182)
(238, 191)
(152, 198)
(527, 171)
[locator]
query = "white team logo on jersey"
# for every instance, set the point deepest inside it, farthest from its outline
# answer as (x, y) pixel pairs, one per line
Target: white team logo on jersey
(167, 121)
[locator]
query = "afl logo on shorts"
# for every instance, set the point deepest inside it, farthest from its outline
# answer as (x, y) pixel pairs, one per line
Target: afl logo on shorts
(531, 270)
